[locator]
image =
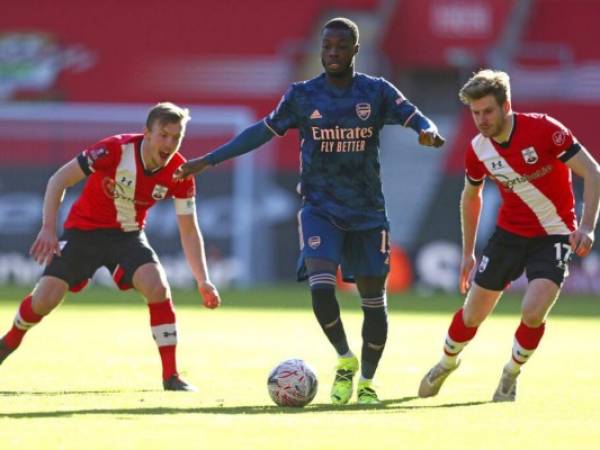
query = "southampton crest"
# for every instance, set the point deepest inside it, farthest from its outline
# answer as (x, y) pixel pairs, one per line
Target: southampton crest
(159, 192)
(529, 155)
(363, 110)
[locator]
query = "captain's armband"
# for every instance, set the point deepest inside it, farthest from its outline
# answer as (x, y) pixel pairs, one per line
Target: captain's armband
(185, 206)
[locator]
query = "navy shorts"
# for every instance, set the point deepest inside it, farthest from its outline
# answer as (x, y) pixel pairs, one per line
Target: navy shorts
(507, 255)
(358, 253)
(84, 252)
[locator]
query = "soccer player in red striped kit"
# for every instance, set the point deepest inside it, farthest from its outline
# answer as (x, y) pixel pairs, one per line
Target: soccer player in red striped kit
(530, 157)
(126, 175)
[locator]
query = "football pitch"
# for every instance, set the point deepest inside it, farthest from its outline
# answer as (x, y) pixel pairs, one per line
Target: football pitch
(88, 378)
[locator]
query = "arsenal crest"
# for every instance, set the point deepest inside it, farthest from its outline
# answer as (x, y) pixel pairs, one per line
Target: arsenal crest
(314, 242)
(159, 192)
(363, 110)
(529, 155)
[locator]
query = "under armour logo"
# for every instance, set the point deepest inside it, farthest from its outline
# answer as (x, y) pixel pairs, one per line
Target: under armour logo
(497, 164)
(166, 334)
(126, 181)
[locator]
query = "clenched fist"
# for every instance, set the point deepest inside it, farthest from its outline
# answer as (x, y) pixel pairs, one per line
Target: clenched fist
(210, 295)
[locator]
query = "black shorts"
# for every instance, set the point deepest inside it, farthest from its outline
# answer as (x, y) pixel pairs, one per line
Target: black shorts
(84, 252)
(507, 255)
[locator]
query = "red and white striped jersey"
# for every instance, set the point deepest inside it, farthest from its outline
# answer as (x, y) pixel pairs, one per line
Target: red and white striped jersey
(531, 174)
(119, 191)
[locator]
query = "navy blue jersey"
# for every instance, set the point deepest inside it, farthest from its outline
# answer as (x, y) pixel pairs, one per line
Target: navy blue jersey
(339, 132)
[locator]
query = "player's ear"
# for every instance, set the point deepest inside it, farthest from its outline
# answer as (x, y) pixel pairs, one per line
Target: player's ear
(506, 107)
(356, 47)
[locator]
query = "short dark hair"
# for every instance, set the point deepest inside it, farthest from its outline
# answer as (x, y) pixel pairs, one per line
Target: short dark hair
(342, 23)
(167, 112)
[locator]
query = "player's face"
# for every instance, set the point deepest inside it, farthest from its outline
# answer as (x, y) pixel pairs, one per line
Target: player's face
(161, 143)
(491, 119)
(337, 52)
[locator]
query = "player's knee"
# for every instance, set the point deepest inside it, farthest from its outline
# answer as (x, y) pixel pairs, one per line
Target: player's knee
(371, 287)
(47, 295)
(157, 293)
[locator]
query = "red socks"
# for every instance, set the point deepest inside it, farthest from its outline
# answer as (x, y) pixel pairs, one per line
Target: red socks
(24, 320)
(164, 332)
(526, 341)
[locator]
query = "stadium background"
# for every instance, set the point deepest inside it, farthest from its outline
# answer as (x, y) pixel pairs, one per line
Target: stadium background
(71, 73)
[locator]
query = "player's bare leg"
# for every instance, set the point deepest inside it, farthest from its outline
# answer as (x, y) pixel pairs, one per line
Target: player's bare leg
(480, 302)
(151, 281)
(539, 298)
(46, 296)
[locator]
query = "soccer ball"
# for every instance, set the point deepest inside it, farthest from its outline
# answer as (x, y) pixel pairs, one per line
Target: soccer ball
(292, 383)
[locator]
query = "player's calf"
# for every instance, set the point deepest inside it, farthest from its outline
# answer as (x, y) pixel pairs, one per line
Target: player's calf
(374, 334)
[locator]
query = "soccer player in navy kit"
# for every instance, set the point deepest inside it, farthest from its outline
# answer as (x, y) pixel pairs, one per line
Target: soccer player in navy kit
(343, 219)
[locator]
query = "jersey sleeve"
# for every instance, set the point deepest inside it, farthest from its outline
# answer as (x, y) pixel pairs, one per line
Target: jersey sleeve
(397, 108)
(560, 140)
(284, 116)
(474, 169)
(184, 195)
(102, 156)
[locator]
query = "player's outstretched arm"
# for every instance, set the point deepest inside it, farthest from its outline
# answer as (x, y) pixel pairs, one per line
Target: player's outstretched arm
(193, 248)
(584, 165)
(46, 245)
(248, 140)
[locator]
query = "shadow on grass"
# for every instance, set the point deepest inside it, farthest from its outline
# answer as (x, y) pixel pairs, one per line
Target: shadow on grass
(386, 406)
(64, 393)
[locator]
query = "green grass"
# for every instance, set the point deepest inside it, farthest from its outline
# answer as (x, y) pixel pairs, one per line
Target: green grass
(88, 378)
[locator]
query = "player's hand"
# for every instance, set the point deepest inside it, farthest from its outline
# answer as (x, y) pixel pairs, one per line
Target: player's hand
(467, 265)
(192, 167)
(45, 247)
(431, 138)
(581, 241)
(210, 295)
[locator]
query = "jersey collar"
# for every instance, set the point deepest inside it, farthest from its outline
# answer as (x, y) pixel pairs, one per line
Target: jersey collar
(141, 156)
(506, 143)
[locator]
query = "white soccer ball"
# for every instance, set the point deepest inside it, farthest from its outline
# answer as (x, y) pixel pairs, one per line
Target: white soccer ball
(292, 383)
